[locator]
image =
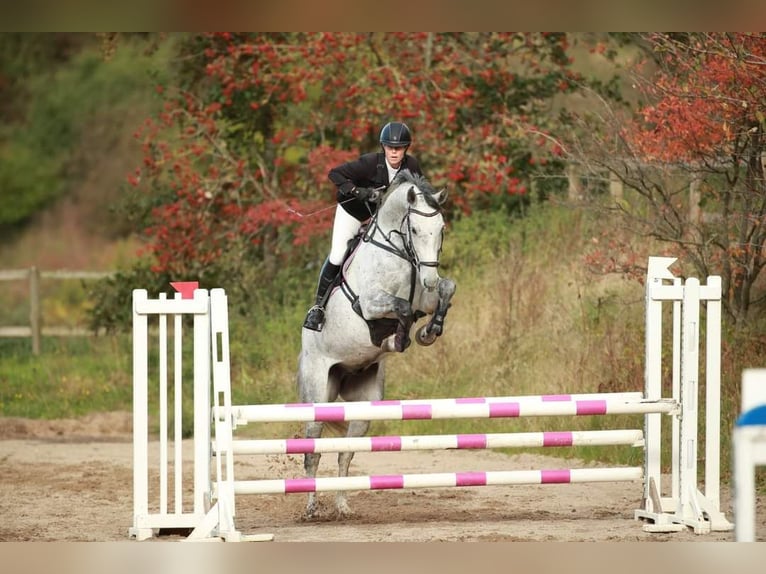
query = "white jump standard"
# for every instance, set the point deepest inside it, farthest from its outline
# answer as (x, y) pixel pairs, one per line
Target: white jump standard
(181, 515)
(211, 512)
(686, 505)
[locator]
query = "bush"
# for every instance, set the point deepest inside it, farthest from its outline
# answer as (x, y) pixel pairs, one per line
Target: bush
(39, 150)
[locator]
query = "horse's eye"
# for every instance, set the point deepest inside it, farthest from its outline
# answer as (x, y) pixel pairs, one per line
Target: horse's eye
(414, 231)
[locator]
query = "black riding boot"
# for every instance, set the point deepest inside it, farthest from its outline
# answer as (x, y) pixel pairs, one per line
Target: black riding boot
(315, 317)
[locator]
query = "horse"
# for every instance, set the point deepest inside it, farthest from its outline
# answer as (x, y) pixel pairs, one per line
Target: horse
(389, 281)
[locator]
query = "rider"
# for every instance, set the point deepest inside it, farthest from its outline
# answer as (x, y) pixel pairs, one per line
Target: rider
(359, 183)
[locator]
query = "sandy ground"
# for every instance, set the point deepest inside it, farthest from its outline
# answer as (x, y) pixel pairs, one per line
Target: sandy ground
(72, 481)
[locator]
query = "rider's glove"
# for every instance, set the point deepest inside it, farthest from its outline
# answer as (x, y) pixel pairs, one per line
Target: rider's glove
(365, 193)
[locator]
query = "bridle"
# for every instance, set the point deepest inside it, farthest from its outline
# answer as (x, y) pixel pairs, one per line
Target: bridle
(407, 251)
(409, 246)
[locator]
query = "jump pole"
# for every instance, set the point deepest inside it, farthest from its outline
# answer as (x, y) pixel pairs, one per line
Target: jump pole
(334, 412)
(438, 480)
(629, 437)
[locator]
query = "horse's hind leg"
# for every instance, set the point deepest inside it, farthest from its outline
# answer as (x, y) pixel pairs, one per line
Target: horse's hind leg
(365, 386)
(316, 384)
(311, 465)
(355, 428)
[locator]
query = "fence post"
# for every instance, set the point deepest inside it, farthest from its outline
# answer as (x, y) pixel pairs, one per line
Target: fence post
(34, 308)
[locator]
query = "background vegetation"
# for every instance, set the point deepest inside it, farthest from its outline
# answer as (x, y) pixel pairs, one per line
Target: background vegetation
(188, 157)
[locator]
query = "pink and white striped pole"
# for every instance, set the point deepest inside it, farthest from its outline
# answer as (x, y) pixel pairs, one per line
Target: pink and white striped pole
(438, 442)
(438, 480)
(456, 408)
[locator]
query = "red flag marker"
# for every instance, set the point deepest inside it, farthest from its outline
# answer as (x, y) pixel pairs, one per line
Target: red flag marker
(185, 288)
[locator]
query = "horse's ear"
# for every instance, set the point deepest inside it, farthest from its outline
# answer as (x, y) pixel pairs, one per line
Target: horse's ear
(411, 195)
(441, 195)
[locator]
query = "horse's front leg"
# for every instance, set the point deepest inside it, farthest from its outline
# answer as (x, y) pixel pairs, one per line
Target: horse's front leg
(427, 334)
(406, 318)
(383, 304)
(400, 340)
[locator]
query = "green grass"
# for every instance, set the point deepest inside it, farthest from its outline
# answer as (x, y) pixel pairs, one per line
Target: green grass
(71, 377)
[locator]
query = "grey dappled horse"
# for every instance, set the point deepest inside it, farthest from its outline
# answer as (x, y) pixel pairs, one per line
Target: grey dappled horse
(390, 281)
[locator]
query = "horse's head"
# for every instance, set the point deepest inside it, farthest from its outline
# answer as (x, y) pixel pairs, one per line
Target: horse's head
(421, 223)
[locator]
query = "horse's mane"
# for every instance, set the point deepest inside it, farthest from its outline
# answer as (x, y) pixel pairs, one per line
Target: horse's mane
(419, 181)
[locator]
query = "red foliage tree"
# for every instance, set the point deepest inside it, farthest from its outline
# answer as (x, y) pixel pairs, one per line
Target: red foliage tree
(701, 124)
(235, 168)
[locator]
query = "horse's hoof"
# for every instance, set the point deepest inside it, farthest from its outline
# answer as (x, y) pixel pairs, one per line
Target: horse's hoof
(342, 512)
(310, 513)
(425, 339)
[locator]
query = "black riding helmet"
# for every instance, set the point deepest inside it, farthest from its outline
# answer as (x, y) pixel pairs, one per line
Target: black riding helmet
(395, 134)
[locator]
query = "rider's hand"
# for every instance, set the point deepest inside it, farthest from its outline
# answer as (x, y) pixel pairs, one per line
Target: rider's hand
(366, 193)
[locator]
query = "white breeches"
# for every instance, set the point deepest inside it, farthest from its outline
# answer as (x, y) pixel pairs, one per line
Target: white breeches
(344, 228)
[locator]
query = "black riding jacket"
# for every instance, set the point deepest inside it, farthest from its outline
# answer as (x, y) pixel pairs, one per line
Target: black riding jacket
(367, 171)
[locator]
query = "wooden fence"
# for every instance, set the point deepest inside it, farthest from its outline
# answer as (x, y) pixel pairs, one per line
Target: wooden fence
(36, 329)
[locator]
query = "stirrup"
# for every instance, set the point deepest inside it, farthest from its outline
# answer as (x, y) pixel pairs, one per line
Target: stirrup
(314, 318)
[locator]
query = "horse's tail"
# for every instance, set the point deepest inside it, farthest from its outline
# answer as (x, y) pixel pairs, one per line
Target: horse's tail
(339, 428)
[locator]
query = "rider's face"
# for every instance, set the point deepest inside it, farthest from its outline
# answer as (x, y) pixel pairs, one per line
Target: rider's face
(394, 155)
